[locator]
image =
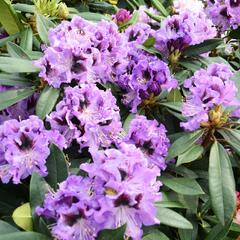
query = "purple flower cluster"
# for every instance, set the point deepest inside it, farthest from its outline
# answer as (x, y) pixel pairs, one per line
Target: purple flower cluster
(82, 51)
(122, 189)
(224, 13)
(180, 31)
(24, 148)
(88, 115)
(208, 88)
(143, 78)
(151, 138)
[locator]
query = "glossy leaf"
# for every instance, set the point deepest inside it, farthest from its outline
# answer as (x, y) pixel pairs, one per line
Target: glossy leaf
(112, 234)
(43, 26)
(57, 167)
(204, 47)
(221, 183)
(47, 101)
(11, 97)
(155, 235)
(127, 122)
(185, 186)
(190, 155)
(24, 236)
(9, 18)
(22, 217)
(184, 143)
(6, 228)
(172, 218)
(14, 80)
(17, 65)
(17, 52)
(27, 39)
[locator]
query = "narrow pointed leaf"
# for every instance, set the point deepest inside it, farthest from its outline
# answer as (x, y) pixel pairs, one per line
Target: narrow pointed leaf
(17, 52)
(221, 184)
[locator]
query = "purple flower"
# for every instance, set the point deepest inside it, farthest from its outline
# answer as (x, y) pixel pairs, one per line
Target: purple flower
(143, 78)
(83, 52)
(208, 89)
(224, 13)
(130, 188)
(24, 148)
(72, 208)
(180, 31)
(151, 138)
(88, 115)
(122, 17)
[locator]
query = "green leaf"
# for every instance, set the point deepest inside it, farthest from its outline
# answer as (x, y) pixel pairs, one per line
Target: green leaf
(232, 136)
(38, 189)
(24, 7)
(14, 80)
(149, 42)
(206, 46)
(171, 218)
(94, 17)
(6, 228)
(112, 234)
(221, 184)
(27, 39)
(47, 101)
(15, 51)
(235, 227)
(17, 65)
(174, 96)
(9, 18)
(43, 26)
(10, 38)
(57, 167)
(190, 155)
(158, 5)
(184, 143)
(11, 97)
(176, 106)
(155, 235)
(24, 236)
(185, 186)
(219, 232)
(235, 33)
(236, 79)
(170, 204)
(22, 217)
(127, 122)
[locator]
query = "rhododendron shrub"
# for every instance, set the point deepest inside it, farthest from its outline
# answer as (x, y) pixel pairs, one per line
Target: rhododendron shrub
(119, 120)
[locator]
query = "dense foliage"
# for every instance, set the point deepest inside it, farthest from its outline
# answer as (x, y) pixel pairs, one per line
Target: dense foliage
(119, 120)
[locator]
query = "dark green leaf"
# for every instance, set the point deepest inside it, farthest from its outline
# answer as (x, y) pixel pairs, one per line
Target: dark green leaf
(38, 189)
(155, 235)
(24, 236)
(9, 18)
(14, 80)
(174, 96)
(185, 186)
(112, 234)
(43, 26)
(17, 65)
(16, 52)
(57, 167)
(170, 204)
(206, 46)
(190, 155)
(176, 106)
(221, 183)
(172, 218)
(127, 122)
(219, 232)
(47, 101)
(27, 39)
(184, 143)
(235, 33)
(95, 17)
(159, 6)
(11, 97)
(6, 228)
(149, 42)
